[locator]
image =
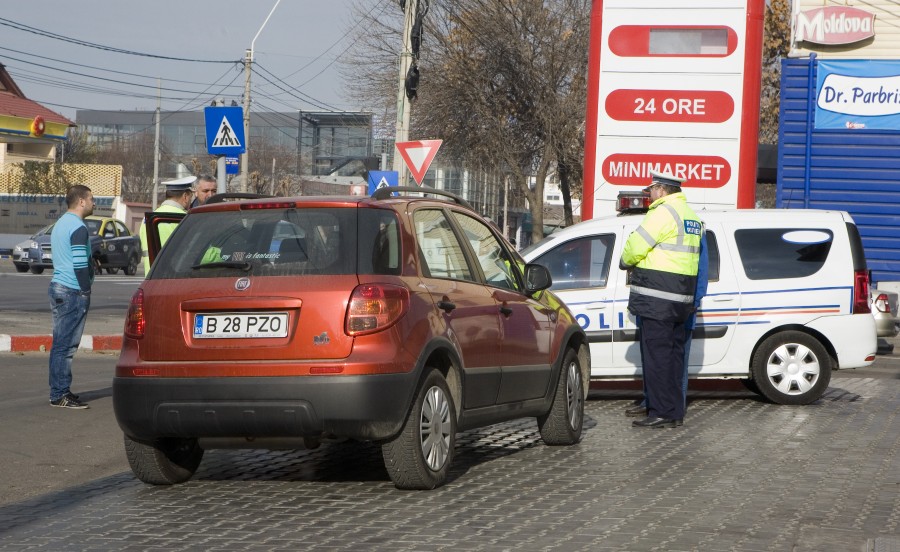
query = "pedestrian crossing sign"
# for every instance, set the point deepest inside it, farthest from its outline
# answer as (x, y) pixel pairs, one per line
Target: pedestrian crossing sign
(225, 130)
(381, 179)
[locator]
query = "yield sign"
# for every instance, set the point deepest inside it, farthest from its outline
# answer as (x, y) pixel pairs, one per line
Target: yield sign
(418, 156)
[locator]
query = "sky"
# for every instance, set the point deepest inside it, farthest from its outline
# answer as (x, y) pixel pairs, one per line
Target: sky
(296, 55)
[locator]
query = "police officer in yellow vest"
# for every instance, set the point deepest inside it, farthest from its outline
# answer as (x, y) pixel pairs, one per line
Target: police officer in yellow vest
(179, 193)
(663, 254)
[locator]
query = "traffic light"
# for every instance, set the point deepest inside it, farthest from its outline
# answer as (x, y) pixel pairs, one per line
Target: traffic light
(412, 81)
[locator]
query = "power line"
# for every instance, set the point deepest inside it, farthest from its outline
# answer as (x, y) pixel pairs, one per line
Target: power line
(100, 78)
(34, 30)
(99, 68)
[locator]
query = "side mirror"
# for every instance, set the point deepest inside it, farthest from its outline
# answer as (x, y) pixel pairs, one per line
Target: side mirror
(537, 278)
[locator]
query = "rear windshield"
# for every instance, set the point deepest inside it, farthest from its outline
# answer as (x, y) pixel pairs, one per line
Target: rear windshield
(282, 242)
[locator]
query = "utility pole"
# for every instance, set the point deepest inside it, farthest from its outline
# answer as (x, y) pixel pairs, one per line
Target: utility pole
(248, 68)
(156, 146)
(403, 102)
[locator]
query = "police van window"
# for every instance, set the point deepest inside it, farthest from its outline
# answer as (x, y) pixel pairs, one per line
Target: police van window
(713, 244)
(580, 263)
(768, 253)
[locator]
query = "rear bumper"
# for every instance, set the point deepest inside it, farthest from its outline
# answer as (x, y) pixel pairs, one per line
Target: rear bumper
(371, 407)
(852, 336)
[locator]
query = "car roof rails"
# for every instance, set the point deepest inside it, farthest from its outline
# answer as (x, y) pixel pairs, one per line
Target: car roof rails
(388, 191)
(234, 196)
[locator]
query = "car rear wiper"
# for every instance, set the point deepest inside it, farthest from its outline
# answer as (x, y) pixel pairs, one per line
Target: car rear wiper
(243, 265)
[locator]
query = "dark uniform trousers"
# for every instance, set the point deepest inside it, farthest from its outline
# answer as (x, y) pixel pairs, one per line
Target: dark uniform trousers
(662, 350)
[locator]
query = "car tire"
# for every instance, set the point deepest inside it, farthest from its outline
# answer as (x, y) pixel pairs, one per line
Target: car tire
(562, 425)
(37, 270)
(21, 267)
(791, 368)
(132, 267)
(164, 461)
(750, 385)
(419, 456)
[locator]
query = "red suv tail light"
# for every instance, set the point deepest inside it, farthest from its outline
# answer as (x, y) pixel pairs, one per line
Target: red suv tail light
(134, 319)
(375, 307)
(861, 292)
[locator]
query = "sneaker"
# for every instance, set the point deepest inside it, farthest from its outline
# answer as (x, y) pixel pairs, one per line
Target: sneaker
(68, 401)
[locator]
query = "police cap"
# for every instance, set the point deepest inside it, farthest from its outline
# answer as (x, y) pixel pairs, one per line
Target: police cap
(657, 177)
(180, 184)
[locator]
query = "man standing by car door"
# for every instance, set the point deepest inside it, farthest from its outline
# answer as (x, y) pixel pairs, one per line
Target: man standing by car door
(178, 200)
(206, 188)
(69, 292)
(663, 256)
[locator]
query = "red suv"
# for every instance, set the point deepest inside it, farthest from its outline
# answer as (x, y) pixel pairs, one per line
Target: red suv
(395, 319)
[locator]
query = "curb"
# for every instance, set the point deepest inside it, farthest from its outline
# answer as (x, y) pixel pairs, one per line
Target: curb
(42, 343)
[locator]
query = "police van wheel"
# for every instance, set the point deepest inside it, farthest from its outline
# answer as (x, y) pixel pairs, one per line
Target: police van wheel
(164, 461)
(563, 424)
(791, 368)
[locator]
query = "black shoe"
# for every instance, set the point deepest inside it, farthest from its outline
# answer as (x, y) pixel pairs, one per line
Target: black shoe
(636, 411)
(655, 422)
(67, 401)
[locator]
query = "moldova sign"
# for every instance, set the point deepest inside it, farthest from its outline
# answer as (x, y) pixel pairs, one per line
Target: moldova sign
(418, 156)
(224, 130)
(381, 179)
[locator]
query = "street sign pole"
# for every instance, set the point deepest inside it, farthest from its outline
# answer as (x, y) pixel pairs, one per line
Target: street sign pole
(220, 175)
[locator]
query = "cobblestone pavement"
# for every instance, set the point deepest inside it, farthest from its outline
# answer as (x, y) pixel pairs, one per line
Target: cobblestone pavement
(741, 474)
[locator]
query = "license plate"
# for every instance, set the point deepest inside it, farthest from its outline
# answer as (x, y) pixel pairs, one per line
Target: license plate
(24, 257)
(237, 325)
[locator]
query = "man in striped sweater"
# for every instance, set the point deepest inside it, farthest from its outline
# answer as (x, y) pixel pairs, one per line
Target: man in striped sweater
(69, 292)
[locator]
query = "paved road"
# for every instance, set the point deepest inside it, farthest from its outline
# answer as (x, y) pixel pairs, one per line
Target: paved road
(741, 474)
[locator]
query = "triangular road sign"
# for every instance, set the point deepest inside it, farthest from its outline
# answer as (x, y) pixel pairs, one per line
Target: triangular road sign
(225, 137)
(418, 156)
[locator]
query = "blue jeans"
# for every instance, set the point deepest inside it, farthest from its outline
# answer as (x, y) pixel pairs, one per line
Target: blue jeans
(69, 310)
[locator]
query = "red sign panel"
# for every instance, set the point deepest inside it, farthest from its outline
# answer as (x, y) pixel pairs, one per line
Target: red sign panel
(834, 25)
(677, 106)
(699, 171)
(636, 41)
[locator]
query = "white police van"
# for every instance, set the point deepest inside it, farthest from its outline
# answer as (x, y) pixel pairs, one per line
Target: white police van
(787, 300)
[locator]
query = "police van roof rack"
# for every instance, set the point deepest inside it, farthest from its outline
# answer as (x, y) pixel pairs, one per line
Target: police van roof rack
(388, 191)
(232, 196)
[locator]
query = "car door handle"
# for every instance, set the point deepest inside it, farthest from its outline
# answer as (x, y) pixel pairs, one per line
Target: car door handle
(722, 299)
(446, 305)
(595, 306)
(506, 311)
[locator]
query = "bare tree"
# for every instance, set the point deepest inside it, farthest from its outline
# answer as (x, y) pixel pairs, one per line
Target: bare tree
(502, 84)
(776, 44)
(135, 154)
(76, 148)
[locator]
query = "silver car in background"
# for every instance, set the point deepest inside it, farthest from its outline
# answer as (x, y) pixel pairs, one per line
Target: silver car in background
(884, 309)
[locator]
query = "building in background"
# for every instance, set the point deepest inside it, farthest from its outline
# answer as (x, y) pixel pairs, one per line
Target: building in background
(304, 143)
(839, 128)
